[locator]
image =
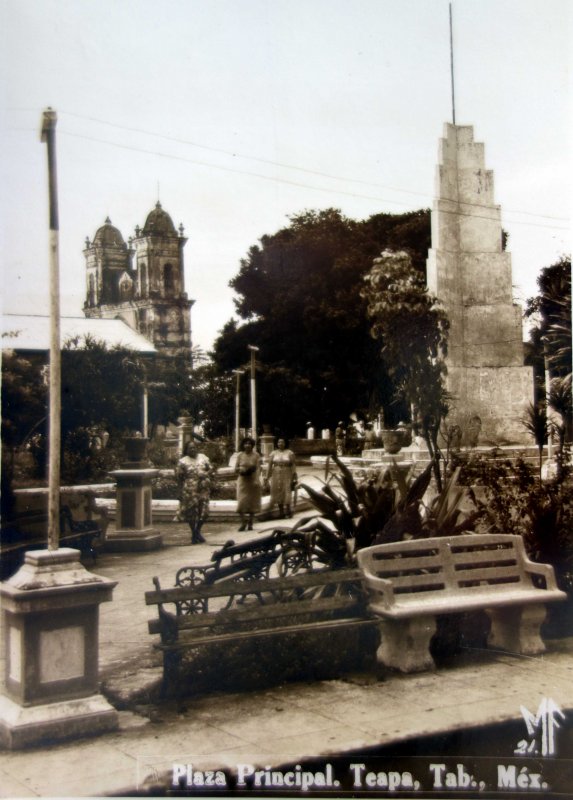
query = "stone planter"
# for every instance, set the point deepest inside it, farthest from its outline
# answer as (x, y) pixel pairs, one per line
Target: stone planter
(405, 436)
(136, 451)
(392, 441)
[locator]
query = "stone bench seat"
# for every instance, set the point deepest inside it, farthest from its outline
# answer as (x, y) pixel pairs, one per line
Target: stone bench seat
(410, 583)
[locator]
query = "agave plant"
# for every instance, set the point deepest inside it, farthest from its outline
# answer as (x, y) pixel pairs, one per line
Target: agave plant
(354, 514)
(444, 516)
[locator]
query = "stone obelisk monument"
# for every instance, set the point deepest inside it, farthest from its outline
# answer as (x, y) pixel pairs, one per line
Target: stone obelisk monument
(468, 270)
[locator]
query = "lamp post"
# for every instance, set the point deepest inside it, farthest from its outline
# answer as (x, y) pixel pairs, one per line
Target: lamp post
(49, 120)
(547, 401)
(238, 373)
(145, 386)
(253, 350)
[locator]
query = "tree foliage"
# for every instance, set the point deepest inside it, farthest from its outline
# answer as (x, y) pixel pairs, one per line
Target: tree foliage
(178, 383)
(24, 398)
(413, 330)
(551, 312)
(550, 336)
(99, 389)
(299, 296)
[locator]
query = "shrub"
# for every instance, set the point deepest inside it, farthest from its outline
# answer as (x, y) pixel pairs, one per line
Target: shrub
(516, 500)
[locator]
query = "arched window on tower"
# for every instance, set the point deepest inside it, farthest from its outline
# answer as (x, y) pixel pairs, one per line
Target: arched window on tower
(168, 280)
(91, 291)
(143, 280)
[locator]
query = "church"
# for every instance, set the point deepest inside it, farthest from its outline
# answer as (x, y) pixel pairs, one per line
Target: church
(142, 281)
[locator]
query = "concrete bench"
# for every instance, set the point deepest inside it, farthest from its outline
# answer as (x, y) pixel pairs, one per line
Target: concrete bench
(410, 583)
(232, 610)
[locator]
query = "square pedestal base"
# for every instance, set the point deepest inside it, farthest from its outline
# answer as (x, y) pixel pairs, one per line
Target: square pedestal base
(133, 541)
(26, 726)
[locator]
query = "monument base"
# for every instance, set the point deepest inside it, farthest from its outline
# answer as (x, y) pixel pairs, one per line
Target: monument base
(121, 541)
(25, 726)
(498, 396)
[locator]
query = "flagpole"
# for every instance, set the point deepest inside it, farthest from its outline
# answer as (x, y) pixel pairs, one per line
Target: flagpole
(49, 120)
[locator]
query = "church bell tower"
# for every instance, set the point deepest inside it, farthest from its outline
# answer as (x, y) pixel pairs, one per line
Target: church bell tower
(143, 282)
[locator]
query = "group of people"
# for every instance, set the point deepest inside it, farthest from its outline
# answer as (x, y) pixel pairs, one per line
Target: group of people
(194, 475)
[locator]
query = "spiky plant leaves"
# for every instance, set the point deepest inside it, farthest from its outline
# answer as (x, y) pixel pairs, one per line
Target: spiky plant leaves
(347, 481)
(324, 504)
(404, 524)
(304, 521)
(418, 487)
(400, 480)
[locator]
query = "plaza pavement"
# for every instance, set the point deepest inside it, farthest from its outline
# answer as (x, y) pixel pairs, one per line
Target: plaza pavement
(271, 727)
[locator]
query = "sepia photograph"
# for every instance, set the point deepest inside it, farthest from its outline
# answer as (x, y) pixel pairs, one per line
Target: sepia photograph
(286, 472)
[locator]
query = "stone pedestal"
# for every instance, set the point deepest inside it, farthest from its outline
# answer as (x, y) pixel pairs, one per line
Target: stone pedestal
(185, 433)
(134, 523)
(51, 617)
(267, 444)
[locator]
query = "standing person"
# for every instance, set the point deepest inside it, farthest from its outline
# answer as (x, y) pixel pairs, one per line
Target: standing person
(369, 437)
(247, 468)
(281, 472)
(340, 438)
(193, 475)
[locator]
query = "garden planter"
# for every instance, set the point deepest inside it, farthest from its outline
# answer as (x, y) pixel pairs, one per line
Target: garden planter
(392, 441)
(405, 436)
(136, 451)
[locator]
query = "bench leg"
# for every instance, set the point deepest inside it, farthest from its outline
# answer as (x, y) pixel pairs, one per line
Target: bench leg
(171, 669)
(516, 628)
(406, 644)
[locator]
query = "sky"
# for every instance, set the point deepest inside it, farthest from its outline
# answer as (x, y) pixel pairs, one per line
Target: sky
(236, 114)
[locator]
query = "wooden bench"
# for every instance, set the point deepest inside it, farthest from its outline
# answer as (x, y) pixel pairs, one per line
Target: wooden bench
(80, 534)
(231, 611)
(247, 561)
(410, 583)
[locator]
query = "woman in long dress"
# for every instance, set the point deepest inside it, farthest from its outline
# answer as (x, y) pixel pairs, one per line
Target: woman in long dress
(281, 473)
(247, 468)
(194, 478)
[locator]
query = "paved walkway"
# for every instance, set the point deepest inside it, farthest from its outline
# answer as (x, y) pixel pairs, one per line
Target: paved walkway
(273, 727)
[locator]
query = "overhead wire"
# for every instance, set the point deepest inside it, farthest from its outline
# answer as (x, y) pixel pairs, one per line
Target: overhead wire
(288, 182)
(282, 165)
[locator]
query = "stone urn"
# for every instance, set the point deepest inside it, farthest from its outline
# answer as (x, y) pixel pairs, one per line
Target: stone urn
(405, 435)
(392, 441)
(136, 452)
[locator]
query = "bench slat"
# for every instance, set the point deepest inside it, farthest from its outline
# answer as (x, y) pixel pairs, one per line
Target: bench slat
(491, 575)
(436, 580)
(387, 566)
(262, 613)
(179, 594)
(313, 627)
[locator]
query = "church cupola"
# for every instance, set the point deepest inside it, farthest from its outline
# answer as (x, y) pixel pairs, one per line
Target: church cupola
(159, 257)
(150, 296)
(108, 259)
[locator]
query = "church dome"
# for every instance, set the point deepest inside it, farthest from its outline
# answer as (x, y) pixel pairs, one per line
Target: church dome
(158, 223)
(108, 235)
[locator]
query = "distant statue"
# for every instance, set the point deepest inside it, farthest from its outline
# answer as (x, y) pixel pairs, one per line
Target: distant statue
(473, 430)
(340, 439)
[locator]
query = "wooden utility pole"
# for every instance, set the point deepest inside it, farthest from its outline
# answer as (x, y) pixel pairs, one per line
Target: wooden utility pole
(49, 120)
